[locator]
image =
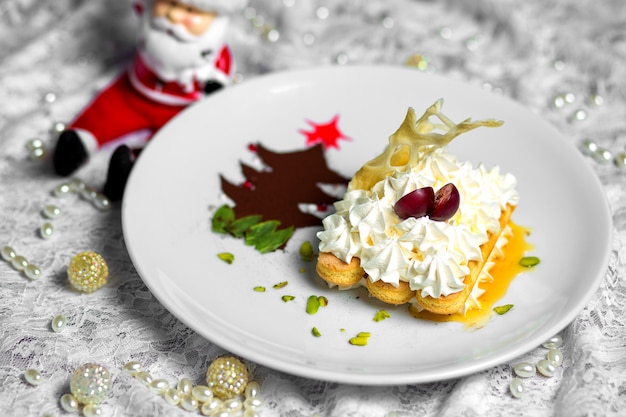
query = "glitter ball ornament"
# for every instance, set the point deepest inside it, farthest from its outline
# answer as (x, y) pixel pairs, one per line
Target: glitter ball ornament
(227, 377)
(87, 272)
(90, 383)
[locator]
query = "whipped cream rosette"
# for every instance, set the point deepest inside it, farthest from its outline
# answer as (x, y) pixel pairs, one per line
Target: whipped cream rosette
(436, 265)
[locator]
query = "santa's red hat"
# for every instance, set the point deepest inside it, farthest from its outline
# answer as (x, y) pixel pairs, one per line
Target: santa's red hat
(218, 6)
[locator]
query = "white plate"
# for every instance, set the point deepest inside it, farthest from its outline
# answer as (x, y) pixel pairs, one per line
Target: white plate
(166, 223)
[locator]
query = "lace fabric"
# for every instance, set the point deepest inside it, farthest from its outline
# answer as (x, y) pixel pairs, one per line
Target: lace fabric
(72, 48)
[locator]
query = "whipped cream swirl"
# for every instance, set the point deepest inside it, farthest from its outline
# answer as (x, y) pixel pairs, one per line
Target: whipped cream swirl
(431, 256)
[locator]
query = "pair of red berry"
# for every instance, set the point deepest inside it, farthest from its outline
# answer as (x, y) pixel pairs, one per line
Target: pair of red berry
(439, 206)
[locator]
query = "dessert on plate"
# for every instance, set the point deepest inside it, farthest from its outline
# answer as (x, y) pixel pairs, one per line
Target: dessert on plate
(418, 226)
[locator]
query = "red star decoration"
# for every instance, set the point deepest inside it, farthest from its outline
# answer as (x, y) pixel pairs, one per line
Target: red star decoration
(328, 134)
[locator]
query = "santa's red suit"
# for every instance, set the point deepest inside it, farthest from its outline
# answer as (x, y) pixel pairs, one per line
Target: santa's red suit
(153, 89)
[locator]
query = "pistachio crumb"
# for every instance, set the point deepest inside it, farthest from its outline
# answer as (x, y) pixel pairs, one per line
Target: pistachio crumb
(529, 261)
(306, 251)
(227, 257)
(381, 315)
(503, 309)
(360, 339)
(312, 304)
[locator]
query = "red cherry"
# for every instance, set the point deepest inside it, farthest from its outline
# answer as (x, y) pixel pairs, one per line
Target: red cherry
(417, 203)
(447, 200)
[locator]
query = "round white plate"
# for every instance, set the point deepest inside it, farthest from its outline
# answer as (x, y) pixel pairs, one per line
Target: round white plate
(167, 227)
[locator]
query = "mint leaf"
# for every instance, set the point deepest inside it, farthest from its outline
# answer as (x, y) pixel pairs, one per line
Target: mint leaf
(238, 227)
(265, 238)
(222, 217)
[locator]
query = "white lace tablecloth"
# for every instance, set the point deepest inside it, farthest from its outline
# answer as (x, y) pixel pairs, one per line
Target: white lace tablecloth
(564, 59)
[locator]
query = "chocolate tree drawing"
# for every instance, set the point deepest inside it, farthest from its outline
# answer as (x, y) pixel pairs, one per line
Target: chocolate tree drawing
(292, 179)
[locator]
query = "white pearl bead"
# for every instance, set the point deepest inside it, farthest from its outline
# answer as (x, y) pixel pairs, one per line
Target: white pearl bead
(202, 393)
(33, 377)
(188, 403)
(32, 272)
(92, 410)
(579, 115)
(62, 190)
(51, 211)
(159, 386)
(517, 387)
(620, 160)
(172, 396)
(144, 377)
(76, 185)
(589, 147)
(569, 97)
(553, 343)
(253, 389)
(34, 144)
(603, 155)
(50, 97)
(251, 413)
(89, 194)
(211, 407)
(8, 253)
(595, 100)
(19, 262)
(253, 403)
(37, 153)
(558, 101)
(46, 230)
(546, 367)
(185, 386)
(232, 405)
(556, 356)
(57, 127)
(58, 323)
(524, 369)
(132, 367)
(102, 202)
(69, 403)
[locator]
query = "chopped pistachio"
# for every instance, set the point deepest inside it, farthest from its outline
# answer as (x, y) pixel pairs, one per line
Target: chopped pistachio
(227, 257)
(306, 251)
(381, 315)
(323, 301)
(529, 261)
(281, 285)
(312, 304)
(315, 332)
(503, 309)
(259, 289)
(360, 339)
(286, 298)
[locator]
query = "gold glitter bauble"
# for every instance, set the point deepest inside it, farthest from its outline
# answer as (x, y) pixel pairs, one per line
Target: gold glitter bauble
(87, 272)
(227, 377)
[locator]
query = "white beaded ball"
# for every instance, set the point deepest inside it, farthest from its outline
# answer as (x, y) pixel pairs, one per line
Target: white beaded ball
(90, 383)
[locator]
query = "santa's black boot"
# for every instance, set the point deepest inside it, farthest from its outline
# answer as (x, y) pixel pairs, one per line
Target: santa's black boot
(69, 154)
(120, 164)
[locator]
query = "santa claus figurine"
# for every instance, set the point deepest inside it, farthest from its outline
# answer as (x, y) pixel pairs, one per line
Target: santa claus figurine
(181, 57)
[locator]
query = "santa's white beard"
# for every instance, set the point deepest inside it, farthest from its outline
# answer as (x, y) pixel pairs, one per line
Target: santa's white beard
(175, 55)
